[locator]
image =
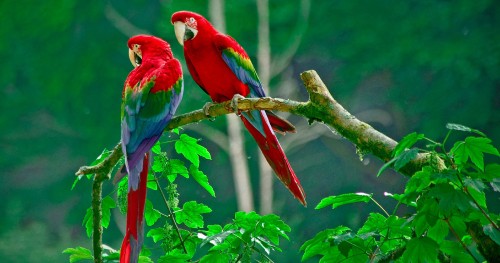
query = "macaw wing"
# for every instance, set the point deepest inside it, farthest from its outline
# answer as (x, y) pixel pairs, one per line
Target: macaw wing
(146, 110)
(239, 63)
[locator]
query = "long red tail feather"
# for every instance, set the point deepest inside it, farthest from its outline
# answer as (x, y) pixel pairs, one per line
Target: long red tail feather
(134, 234)
(275, 156)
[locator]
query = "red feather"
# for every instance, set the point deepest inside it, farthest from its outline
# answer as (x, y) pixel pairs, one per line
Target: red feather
(275, 156)
(222, 77)
(132, 241)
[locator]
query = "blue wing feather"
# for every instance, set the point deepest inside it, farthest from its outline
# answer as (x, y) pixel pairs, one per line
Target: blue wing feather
(239, 63)
(139, 132)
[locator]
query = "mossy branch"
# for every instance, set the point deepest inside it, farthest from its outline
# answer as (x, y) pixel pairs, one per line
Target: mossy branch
(321, 107)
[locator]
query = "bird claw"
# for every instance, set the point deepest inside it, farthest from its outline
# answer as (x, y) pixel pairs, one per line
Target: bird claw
(206, 109)
(234, 104)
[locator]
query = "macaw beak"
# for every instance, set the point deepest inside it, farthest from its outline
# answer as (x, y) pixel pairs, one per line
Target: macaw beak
(135, 56)
(180, 29)
(184, 33)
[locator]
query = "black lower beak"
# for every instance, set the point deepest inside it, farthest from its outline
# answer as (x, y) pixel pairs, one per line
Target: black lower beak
(138, 60)
(188, 34)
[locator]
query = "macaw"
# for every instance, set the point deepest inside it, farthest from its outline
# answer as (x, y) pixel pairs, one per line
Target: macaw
(222, 68)
(151, 94)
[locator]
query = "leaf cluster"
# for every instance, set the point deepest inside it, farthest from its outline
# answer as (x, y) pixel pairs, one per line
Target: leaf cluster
(183, 231)
(445, 203)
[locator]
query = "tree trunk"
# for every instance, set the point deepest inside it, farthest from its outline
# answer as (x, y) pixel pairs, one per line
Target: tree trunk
(264, 64)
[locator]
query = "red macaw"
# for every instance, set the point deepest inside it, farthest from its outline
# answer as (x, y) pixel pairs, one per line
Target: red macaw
(222, 68)
(152, 92)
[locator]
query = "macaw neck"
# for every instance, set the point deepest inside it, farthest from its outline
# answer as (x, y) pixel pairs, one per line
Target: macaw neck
(139, 73)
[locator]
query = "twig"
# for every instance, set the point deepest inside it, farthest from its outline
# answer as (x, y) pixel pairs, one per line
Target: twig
(171, 215)
(459, 240)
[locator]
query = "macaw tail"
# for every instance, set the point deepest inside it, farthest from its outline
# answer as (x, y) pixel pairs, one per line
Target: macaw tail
(134, 234)
(258, 124)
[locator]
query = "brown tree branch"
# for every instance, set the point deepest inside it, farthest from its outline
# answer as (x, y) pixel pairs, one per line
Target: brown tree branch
(320, 107)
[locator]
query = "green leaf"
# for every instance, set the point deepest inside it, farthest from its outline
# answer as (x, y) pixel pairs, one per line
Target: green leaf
(321, 243)
(473, 148)
(491, 172)
(457, 127)
(78, 254)
(201, 178)
(460, 127)
(344, 199)
(157, 234)
(121, 195)
(456, 252)
(419, 181)
(150, 214)
(215, 257)
(404, 158)
(174, 258)
(247, 221)
(422, 249)
(438, 231)
(272, 227)
(386, 166)
(172, 168)
(151, 184)
(407, 142)
(145, 259)
(156, 148)
(175, 130)
(493, 233)
(191, 214)
(374, 223)
(479, 196)
(107, 204)
(191, 150)
(450, 198)
(216, 238)
(88, 222)
(458, 225)
(401, 198)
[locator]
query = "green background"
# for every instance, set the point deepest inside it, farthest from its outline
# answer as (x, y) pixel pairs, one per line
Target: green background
(401, 66)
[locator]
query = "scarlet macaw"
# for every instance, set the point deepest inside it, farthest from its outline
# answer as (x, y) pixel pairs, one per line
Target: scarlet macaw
(222, 68)
(151, 94)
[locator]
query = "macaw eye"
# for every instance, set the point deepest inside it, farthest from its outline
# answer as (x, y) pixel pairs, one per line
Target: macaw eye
(191, 20)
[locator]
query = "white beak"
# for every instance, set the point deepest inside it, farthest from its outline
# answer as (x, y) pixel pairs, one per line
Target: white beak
(132, 57)
(180, 29)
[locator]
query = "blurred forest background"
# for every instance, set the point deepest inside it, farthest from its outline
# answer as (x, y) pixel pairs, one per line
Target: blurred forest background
(401, 66)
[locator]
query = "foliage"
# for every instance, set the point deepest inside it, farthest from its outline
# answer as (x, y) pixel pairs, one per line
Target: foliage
(444, 203)
(183, 232)
(421, 62)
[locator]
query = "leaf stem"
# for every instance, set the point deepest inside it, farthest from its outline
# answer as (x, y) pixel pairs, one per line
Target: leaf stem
(171, 215)
(387, 214)
(480, 208)
(459, 239)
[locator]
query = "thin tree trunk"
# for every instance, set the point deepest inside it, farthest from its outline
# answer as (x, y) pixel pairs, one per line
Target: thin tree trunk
(264, 63)
(237, 152)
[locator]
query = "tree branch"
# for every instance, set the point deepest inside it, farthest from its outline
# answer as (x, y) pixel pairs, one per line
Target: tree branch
(320, 107)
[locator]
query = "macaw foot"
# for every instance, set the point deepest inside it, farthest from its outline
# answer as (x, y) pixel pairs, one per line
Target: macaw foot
(206, 110)
(234, 103)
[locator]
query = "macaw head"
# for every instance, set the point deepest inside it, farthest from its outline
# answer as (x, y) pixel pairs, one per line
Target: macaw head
(188, 25)
(144, 47)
